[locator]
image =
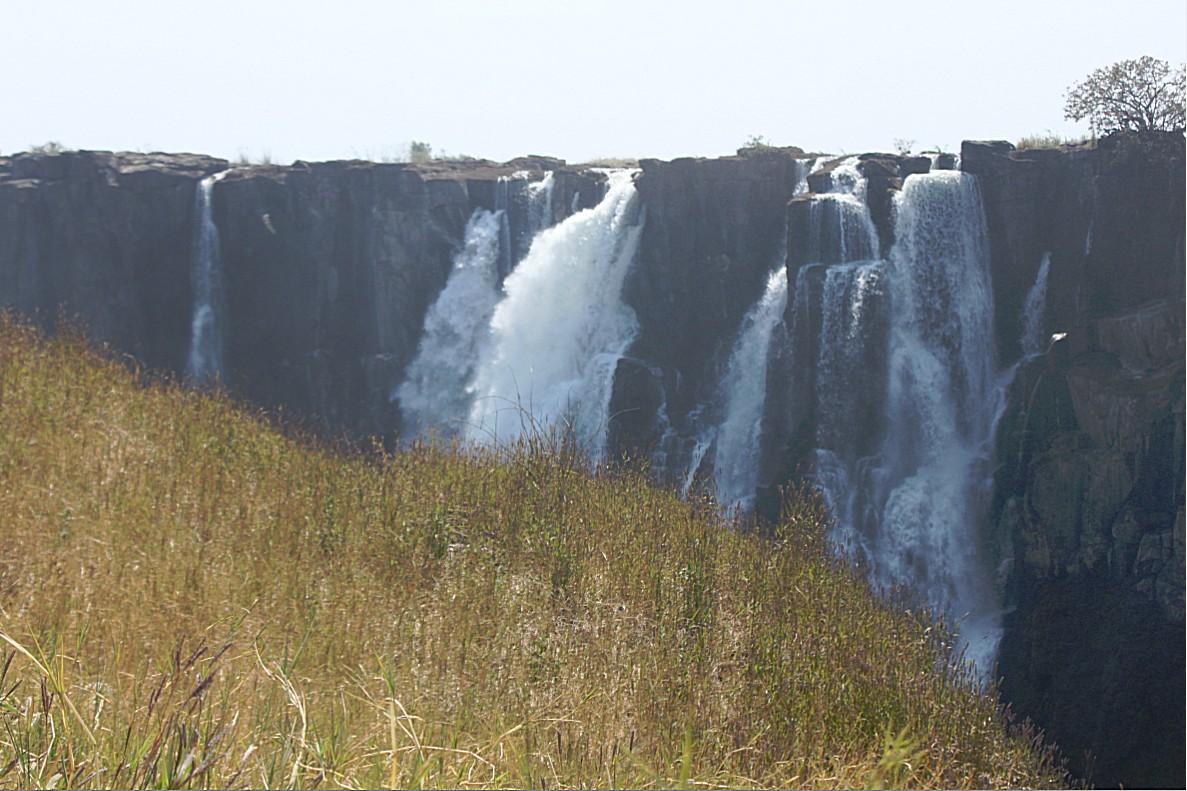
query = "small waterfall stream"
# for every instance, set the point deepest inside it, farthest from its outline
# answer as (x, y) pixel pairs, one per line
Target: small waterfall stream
(1034, 312)
(745, 383)
(207, 343)
(525, 209)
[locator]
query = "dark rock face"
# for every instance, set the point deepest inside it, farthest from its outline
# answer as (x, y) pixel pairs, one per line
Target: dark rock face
(1099, 665)
(107, 236)
(330, 269)
(1111, 217)
(711, 237)
(1088, 513)
(884, 177)
(636, 431)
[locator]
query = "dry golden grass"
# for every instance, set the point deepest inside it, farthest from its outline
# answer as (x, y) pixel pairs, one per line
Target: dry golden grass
(190, 598)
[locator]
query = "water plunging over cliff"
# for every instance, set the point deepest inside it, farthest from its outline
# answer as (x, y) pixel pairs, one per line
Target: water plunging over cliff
(894, 372)
(944, 395)
(745, 383)
(839, 343)
(205, 360)
(559, 332)
(840, 228)
(437, 394)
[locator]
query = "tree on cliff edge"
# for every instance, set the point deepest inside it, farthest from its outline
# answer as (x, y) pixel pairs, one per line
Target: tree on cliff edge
(1133, 95)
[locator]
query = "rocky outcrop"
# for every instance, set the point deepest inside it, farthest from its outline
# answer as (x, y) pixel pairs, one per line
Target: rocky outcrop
(1088, 513)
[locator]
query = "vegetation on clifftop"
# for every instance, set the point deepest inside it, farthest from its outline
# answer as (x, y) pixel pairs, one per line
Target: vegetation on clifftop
(191, 598)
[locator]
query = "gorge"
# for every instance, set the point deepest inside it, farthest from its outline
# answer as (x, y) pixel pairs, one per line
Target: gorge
(979, 362)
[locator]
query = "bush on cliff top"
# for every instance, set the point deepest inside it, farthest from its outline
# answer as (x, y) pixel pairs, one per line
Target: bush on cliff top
(189, 598)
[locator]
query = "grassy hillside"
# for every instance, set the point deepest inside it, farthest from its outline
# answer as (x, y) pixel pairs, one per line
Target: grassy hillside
(189, 597)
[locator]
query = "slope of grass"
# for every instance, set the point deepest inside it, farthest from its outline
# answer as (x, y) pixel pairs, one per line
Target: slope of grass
(189, 598)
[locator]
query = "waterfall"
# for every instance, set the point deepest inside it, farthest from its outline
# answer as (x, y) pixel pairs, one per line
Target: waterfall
(205, 362)
(894, 372)
(840, 347)
(1034, 312)
(943, 397)
(803, 168)
(436, 394)
(745, 384)
(840, 228)
(557, 335)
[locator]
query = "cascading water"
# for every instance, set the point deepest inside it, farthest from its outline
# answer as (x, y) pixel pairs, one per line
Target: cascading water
(205, 362)
(840, 365)
(436, 394)
(557, 335)
(894, 369)
(805, 167)
(1034, 313)
(540, 203)
(840, 228)
(943, 397)
(746, 390)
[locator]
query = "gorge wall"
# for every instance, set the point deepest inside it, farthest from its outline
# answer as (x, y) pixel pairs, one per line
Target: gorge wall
(729, 353)
(1088, 502)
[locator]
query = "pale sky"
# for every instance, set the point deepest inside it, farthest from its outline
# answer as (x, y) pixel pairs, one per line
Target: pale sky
(577, 79)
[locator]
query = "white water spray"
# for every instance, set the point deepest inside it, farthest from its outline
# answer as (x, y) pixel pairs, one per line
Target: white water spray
(436, 394)
(205, 361)
(557, 336)
(943, 399)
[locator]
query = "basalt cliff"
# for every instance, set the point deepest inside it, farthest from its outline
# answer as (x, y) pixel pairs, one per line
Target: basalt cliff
(999, 335)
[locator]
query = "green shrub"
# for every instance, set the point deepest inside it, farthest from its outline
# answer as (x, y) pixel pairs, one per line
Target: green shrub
(419, 152)
(50, 148)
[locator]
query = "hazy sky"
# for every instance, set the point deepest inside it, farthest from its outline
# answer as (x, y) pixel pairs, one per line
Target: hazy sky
(578, 79)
